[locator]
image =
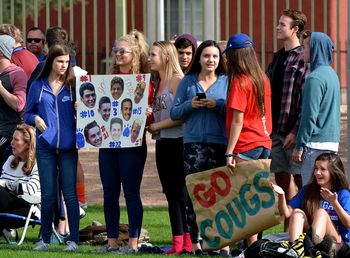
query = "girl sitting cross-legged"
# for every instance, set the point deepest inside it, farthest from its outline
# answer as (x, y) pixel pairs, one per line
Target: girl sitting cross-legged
(322, 207)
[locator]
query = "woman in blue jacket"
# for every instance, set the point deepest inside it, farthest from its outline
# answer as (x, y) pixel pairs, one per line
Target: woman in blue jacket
(200, 103)
(50, 107)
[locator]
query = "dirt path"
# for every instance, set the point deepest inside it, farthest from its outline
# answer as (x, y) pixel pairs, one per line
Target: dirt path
(151, 191)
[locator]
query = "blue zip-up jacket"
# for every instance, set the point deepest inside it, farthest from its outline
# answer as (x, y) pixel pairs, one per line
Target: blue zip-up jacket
(58, 113)
(39, 68)
(320, 109)
(201, 125)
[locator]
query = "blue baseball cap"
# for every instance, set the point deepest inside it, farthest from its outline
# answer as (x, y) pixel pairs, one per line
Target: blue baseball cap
(239, 40)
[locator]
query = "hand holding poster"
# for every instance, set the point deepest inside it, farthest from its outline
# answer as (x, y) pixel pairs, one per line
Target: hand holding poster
(111, 110)
(231, 207)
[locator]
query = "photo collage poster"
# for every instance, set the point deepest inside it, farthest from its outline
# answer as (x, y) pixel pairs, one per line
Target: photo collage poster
(111, 110)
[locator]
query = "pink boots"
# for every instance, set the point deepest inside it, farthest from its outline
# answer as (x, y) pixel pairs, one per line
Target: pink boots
(182, 242)
(178, 242)
(187, 242)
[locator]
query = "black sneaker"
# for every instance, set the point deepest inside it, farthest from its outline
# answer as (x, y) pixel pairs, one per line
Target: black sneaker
(224, 253)
(328, 245)
(185, 252)
(199, 252)
(214, 253)
(237, 253)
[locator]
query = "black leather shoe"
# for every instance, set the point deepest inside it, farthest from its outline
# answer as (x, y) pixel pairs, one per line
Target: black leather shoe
(200, 252)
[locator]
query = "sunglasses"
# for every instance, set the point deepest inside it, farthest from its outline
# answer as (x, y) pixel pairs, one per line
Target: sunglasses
(36, 40)
(121, 50)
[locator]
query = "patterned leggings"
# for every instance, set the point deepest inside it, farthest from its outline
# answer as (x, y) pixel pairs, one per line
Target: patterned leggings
(200, 157)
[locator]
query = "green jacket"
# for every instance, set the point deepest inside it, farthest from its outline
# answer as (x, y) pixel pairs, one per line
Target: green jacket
(320, 110)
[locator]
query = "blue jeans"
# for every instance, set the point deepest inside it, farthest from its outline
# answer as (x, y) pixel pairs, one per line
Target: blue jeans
(122, 167)
(254, 154)
(58, 172)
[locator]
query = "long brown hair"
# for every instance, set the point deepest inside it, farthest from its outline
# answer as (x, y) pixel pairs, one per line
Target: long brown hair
(29, 138)
(338, 182)
(55, 51)
(243, 62)
(196, 66)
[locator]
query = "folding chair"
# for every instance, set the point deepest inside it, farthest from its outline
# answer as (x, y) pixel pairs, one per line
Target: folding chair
(14, 221)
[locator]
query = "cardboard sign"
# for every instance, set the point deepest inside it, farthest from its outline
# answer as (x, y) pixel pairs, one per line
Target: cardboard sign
(232, 206)
(111, 110)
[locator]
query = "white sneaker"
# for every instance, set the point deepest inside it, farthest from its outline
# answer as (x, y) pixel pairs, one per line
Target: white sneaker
(9, 233)
(71, 246)
(41, 246)
(83, 205)
(37, 212)
(82, 213)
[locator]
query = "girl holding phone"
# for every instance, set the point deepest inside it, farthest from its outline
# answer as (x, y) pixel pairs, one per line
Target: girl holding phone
(204, 118)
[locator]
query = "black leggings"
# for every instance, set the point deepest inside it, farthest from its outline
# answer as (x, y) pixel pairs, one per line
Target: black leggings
(169, 159)
(9, 203)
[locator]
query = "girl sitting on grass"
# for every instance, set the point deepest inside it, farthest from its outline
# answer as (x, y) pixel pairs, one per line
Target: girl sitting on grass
(322, 207)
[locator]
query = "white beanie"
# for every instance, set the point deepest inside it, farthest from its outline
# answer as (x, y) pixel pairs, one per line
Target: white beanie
(7, 44)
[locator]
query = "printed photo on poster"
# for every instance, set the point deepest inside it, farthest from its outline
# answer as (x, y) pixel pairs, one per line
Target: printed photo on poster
(111, 110)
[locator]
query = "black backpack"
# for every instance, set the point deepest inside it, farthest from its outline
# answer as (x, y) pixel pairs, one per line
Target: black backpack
(264, 248)
(302, 247)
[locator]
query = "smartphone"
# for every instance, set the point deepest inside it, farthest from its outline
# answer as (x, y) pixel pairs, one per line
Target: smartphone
(201, 95)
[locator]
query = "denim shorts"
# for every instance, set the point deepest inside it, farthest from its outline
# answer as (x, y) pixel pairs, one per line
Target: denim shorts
(254, 154)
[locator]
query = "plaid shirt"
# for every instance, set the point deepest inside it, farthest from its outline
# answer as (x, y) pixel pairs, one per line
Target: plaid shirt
(295, 73)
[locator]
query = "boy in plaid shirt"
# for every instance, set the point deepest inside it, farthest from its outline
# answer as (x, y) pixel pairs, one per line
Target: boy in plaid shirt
(287, 73)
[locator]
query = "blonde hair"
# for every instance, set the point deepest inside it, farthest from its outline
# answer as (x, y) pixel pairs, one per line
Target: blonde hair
(139, 48)
(13, 31)
(28, 134)
(169, 58)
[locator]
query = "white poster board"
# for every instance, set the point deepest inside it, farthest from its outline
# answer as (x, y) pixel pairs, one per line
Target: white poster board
(111, 110)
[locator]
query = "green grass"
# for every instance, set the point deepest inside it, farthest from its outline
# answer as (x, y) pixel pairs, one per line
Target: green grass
(155, 221)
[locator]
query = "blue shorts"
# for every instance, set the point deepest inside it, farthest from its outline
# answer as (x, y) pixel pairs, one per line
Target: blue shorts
(254, 154)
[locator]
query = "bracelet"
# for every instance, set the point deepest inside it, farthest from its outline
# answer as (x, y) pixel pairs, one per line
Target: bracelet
(227, 155)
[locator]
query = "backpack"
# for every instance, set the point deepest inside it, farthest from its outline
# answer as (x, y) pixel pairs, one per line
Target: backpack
(302, 247)
(264, 248)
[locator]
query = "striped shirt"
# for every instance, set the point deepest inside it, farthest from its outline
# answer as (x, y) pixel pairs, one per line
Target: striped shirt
(30, 184)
